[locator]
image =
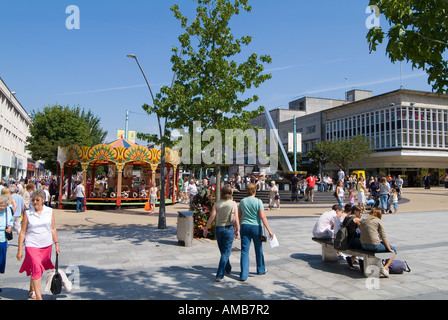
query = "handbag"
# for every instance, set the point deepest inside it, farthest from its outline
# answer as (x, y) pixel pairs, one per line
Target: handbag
(398, 267)
(56, 280)
(8, 235)
(263, 237)
(232, 215)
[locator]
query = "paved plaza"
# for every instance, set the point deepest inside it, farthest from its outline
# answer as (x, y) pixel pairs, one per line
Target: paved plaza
(121, 255)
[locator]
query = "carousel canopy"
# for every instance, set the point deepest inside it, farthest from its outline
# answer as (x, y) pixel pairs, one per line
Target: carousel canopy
(120, 152)
(122, 143)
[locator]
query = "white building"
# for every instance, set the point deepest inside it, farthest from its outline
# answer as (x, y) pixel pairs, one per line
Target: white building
(14, 128)
(409, 129)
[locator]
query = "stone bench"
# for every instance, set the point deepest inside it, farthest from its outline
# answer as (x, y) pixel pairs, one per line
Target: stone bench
(372, 260)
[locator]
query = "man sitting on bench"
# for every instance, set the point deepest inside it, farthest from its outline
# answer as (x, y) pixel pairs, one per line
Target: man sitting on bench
(324, 227)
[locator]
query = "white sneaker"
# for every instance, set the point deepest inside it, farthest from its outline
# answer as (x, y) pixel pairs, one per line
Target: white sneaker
(385, 272)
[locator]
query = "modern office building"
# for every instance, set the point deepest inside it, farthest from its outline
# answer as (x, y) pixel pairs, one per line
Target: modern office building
(14, 128)
(409, 130)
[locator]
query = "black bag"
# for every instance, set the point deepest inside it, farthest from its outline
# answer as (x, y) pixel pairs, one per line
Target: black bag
(342, 241)
(398, 267)
(8, 235)
(56, 280)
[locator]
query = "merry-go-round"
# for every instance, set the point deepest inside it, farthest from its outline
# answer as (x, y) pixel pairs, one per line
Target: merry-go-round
(128, 170)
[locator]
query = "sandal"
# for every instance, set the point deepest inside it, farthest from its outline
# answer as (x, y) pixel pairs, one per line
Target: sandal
(31, 295)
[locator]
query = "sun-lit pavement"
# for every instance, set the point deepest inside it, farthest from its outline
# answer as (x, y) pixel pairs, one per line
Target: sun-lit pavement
(122, 255)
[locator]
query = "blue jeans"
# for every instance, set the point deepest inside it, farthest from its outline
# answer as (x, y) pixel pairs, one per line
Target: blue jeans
(224, 237)
(377, 247)
(250, 233)
(340, 201)
(79, 204)
(3, 247)
(383, 201)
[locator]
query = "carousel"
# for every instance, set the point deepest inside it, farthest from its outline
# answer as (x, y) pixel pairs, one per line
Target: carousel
(128, 171)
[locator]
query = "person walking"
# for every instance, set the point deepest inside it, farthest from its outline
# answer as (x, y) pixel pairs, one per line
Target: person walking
(20, 208)
(384, 191)
(6, 223)
(340, 193)
(192, 191)
(274, 197)
(225, 229)
(427, 181)
(311, 183)
(37, 235)
(153, 198)
(362, 189)
(252, 218)
(294, 188)
(80, 195)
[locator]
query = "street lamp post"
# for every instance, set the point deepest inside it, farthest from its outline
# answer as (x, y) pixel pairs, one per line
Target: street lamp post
(162, 214)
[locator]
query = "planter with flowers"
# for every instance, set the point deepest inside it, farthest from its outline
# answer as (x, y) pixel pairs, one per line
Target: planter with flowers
(202, 207)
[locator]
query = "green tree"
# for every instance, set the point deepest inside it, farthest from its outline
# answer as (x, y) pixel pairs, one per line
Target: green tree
(418, 34)
(58, 126)
(209, 82)
(322, 153)
(212, 78)
(342, 153)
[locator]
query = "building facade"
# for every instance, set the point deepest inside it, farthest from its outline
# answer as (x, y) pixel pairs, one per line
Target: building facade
(14, 128)
(408, 128)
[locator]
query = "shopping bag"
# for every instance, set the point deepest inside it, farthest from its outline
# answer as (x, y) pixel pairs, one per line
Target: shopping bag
(147, 206)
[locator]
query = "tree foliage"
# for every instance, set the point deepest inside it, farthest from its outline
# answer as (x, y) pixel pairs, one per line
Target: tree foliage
(211, 77)
(58, 126)
(342, 153)
(418, 34)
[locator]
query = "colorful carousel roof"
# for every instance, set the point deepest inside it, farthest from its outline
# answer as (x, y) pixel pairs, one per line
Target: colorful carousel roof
(122, 143)
(120, 152)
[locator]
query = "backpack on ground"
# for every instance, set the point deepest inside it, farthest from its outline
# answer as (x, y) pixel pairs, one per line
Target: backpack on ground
(398, 267)
(342, 241)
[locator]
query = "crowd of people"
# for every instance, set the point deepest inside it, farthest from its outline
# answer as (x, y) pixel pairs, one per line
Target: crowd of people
(26, 209)
(383, 192)
(363, 233)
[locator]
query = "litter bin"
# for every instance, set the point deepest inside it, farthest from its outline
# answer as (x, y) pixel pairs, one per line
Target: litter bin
(185, 228)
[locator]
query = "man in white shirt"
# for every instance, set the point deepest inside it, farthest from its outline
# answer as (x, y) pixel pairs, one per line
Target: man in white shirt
(80, 195)
(324, 227)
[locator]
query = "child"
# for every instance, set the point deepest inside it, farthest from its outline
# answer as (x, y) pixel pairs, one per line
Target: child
(352, 196)
(395, 199)
(370, 203)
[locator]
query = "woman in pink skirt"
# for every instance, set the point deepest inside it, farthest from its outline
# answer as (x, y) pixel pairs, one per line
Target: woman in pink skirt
(38, 234)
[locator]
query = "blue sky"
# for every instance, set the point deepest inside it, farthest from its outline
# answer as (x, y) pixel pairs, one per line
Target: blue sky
(314, 45)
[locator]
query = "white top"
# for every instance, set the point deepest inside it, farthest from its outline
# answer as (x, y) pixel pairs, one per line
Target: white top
(325, 222)
(192, 189)
(338, 223)
(47, 195)
(38, 233)
(79, 191)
